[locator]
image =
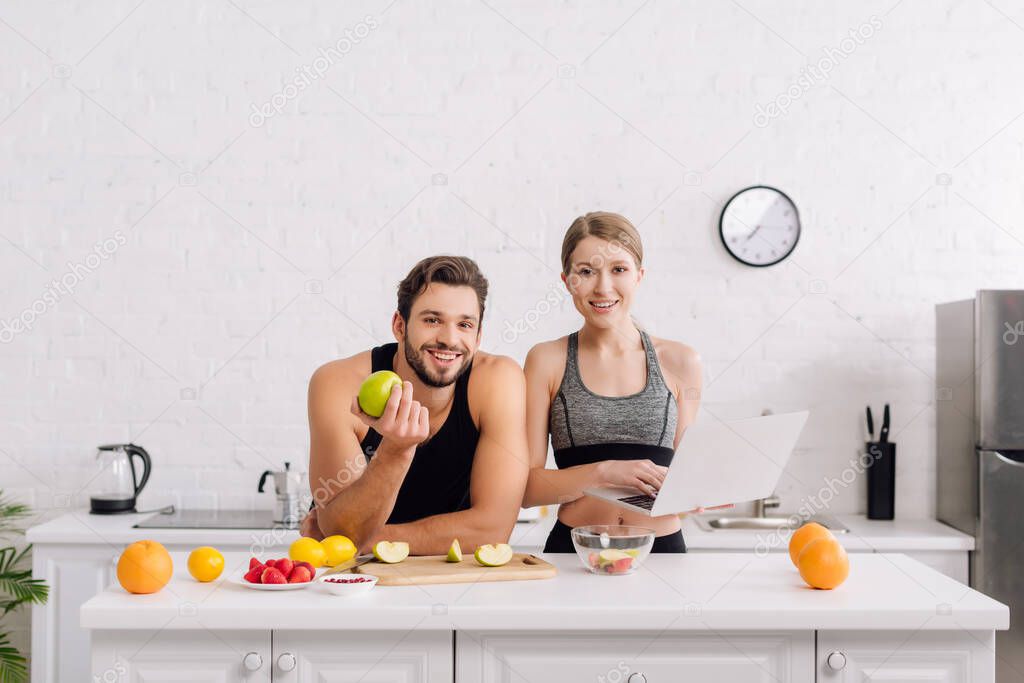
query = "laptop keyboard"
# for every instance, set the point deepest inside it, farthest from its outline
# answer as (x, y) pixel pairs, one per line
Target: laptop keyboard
(645, 502)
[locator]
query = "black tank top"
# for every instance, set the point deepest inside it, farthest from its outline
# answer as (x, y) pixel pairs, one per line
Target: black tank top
(438, 479)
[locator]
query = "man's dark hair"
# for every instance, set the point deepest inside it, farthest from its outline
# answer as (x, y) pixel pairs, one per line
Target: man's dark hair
(455, 271)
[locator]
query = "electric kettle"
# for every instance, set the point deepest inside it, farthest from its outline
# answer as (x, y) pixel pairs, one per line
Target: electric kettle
(116, 484)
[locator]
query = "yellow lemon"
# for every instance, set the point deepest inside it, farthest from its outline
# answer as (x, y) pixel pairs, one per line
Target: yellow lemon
(205, 563)
(308, 550)
(339, 549)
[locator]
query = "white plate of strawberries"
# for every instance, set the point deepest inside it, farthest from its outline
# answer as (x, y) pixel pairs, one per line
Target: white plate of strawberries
(277, 575)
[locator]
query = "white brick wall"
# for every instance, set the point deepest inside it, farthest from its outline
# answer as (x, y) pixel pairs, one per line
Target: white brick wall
(532, 113)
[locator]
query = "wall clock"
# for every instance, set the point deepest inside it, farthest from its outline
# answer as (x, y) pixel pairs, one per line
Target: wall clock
(759, 226)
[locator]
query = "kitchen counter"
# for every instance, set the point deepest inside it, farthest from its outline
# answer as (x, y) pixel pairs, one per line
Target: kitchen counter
(716, 616)
(897, 535)
(700, 591)
(79, 527)
(78, 551)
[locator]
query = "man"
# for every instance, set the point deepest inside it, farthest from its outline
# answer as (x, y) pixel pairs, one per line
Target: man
(447, 459)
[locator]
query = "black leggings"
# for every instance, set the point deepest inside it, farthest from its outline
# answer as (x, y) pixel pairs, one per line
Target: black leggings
(560, 541)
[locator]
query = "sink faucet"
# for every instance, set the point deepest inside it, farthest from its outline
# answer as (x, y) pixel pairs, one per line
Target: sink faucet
(762, 504)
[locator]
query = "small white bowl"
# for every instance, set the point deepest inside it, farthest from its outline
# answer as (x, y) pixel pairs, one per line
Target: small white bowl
(347, 584)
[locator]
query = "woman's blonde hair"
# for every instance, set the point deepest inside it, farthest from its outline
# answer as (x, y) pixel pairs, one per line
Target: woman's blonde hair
(611, 227)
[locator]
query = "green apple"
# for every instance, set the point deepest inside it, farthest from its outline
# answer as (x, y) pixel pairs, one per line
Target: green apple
(375, 391)
(493, 555)
(389, 552)
(455, 552)
(612, 555)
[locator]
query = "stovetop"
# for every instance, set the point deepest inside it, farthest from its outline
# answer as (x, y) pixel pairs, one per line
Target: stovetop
(212, 519)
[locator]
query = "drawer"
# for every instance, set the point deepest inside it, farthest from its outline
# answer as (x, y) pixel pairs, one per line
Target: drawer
(634, 657)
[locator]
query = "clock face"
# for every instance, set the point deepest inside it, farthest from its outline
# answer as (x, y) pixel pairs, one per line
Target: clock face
(759, 226)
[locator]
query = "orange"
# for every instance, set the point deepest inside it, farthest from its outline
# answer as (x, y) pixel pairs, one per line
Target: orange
(144, 567)
(823, 563)
(811, 531)
(338, 549)
(308, 549)
(205, 563)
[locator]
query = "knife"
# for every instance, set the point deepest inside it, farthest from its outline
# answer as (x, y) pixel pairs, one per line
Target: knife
(348, 565)
(871, 426)
(883, 435)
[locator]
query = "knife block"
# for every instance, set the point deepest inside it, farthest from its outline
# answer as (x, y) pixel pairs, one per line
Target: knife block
(881, 479)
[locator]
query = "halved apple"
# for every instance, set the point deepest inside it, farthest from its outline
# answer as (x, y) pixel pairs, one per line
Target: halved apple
(391, 552)
(455, 552)
(493, 555)
(613, 555)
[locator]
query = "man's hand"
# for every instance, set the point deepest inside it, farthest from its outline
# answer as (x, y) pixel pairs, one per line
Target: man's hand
(311, 526)
(404, 424)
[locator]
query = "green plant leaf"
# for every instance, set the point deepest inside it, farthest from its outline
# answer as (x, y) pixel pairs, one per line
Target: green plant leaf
(11, 513)
(19, 583)
(16, 582)
(13, 666)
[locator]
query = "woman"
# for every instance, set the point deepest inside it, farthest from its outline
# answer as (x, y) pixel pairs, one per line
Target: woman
(614, 400)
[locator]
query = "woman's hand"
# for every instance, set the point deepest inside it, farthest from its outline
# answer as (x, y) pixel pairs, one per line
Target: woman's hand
(404, 424)
(639, 474)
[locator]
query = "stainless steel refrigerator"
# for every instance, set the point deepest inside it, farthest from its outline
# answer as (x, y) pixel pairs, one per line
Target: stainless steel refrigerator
(980, 438)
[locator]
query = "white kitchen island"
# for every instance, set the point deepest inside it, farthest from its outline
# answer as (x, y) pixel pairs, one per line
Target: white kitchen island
(695, 617)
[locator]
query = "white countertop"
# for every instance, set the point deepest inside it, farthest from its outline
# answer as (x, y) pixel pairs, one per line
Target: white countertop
(79, 527)
(898, 535)
(677, 592)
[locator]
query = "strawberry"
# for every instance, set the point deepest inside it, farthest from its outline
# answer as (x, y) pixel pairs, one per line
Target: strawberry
(272, 575)
(254, 574)
(299, 575)
(269, 563)
(253, 563)
(307, 565)
(285, 566)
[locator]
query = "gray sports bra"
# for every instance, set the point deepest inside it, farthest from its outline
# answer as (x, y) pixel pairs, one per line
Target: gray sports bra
(586, 427)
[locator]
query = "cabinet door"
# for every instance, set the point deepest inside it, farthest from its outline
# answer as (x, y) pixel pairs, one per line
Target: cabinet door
(367, 656)
(60, 648)
(634, 657)
(194, 656)
(932, 656)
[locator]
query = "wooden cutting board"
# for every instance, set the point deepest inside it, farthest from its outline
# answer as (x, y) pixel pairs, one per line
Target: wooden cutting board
(428, 569)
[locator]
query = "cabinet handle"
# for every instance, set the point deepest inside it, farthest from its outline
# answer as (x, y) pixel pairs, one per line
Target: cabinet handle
(286, 662)
(836, 660)
(636, 677)
(252, 661)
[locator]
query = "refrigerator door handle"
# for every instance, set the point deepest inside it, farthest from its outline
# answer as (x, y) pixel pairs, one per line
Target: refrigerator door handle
(1011, 461)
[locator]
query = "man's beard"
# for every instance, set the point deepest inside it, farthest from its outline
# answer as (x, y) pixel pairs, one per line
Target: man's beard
(419, 366)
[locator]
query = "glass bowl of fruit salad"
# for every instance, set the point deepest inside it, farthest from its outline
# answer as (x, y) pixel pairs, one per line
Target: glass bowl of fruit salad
(612, 549)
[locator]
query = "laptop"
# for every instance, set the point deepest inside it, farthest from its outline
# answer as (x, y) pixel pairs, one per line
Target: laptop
(718, 462)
